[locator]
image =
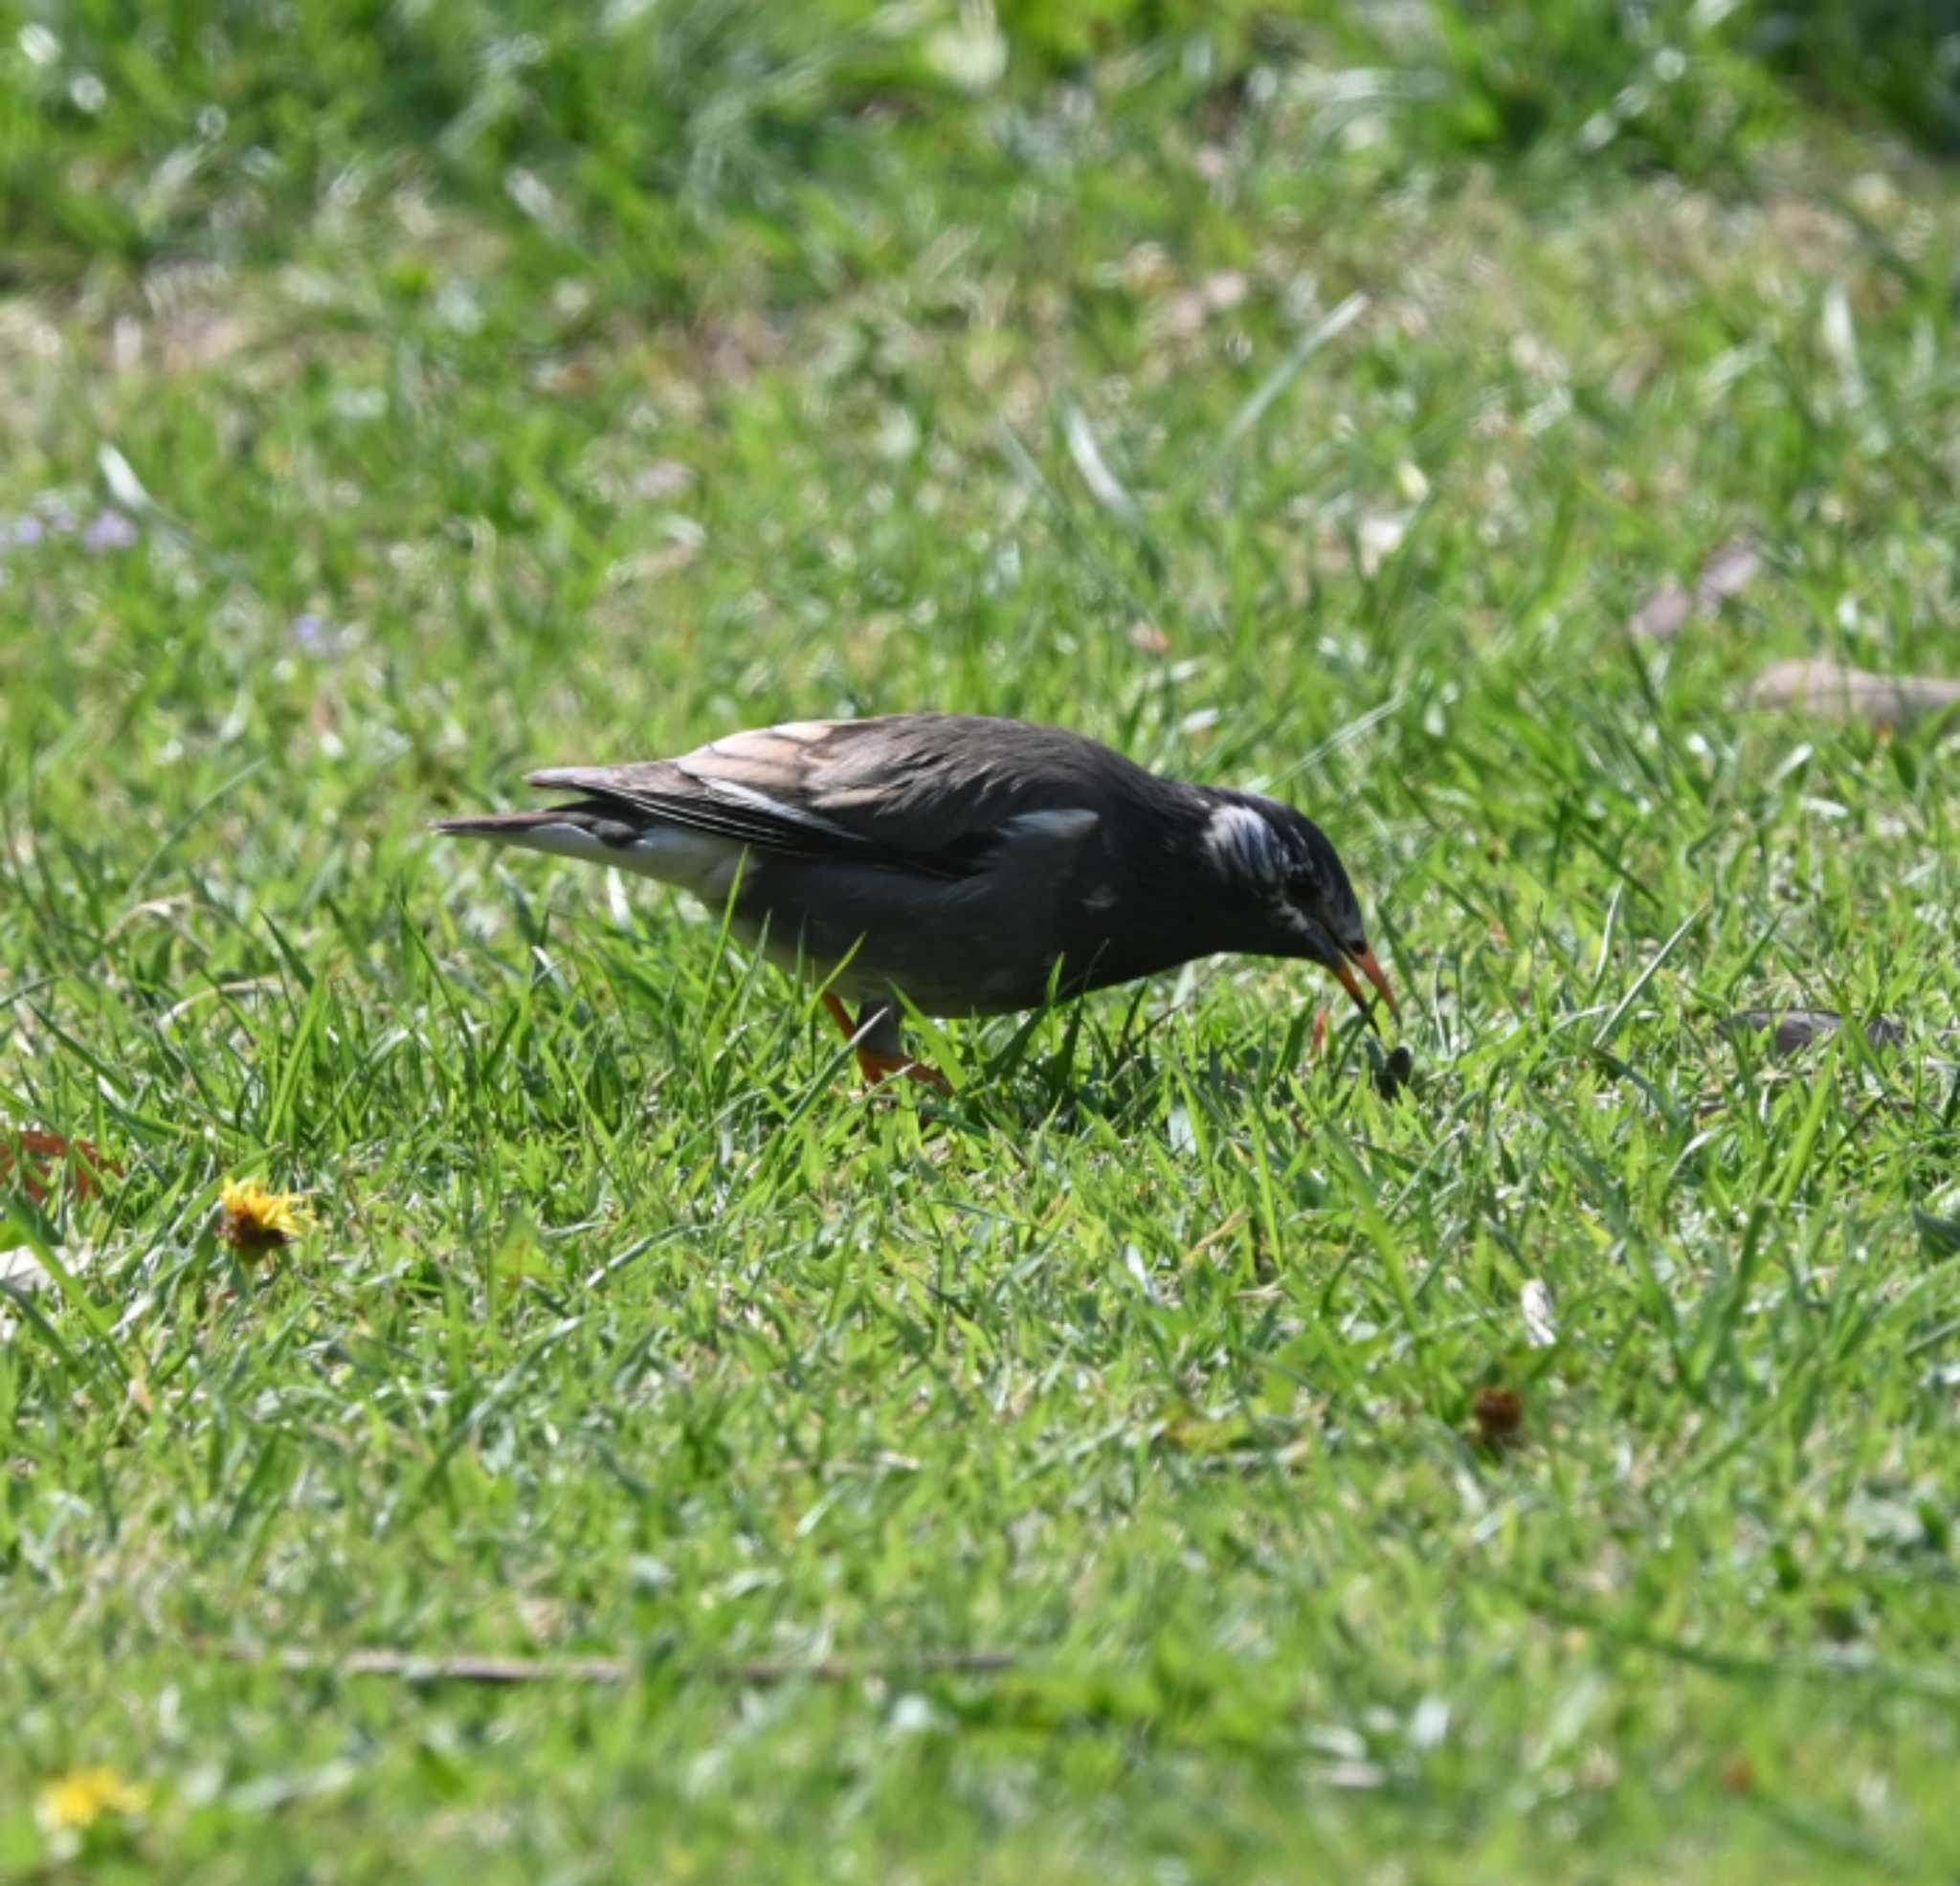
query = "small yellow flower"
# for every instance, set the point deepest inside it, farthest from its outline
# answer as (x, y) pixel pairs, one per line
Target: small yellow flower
(75, 1802)
(257, 1221)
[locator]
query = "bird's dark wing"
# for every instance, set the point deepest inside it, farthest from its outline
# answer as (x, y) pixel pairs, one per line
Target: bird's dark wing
(932, 793)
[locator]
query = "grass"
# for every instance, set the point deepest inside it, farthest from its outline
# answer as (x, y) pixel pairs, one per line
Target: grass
(423, 415)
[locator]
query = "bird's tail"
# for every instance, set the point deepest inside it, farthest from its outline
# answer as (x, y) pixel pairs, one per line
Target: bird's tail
(590, 833)
(596, 833)
(511, 828)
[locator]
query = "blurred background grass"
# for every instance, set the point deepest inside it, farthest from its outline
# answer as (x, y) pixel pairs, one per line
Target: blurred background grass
(396, 396)
(802, 137)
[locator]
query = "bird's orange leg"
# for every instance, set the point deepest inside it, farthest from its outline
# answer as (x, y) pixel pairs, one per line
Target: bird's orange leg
(876, 1067)
(882, 1067)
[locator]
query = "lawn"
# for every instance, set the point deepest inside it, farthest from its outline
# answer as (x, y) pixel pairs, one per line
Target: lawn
(1176, 1457)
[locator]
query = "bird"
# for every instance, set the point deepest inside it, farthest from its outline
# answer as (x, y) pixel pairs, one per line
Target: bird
(967, 864)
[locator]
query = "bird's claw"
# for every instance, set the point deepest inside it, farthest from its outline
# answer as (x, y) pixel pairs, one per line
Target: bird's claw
(880, 1068)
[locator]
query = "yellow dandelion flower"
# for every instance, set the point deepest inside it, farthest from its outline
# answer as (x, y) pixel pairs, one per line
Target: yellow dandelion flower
(257, 1221)
(75, 1802)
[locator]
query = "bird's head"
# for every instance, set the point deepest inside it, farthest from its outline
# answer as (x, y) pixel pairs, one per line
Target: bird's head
(1280, 870)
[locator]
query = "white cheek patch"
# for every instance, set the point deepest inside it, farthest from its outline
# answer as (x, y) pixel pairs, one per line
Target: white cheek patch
(694, 861)
(1241, 841)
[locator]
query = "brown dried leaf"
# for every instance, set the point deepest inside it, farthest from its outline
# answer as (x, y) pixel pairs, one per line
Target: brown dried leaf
(1836, 691)
(1670, 609)
(1663, 615)
(1794, 1030)
(1728, 574)
(45, 1151)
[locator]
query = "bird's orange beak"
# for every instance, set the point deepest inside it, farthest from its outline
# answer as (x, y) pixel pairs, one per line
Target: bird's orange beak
(1364, 962)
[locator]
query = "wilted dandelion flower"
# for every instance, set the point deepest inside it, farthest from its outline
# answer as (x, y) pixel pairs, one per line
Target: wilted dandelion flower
(255, 1220)
(1500, 1416)
(75, 1802)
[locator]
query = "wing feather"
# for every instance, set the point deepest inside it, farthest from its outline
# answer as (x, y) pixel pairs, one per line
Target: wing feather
(927, 793)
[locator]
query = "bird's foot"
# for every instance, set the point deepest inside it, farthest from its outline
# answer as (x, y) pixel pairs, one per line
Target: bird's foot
(880, 1068)
(1319, 1035)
